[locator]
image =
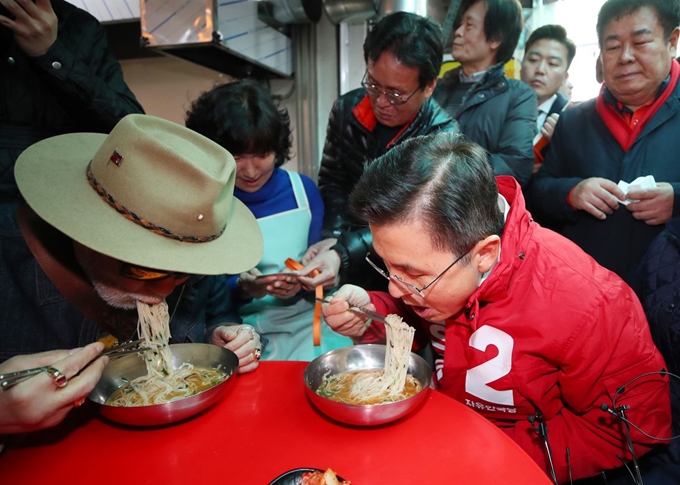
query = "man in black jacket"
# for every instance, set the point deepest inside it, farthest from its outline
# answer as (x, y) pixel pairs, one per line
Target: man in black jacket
(58, 77)
(630, 130)
(403, 55)
(545, 67)
(493, 111)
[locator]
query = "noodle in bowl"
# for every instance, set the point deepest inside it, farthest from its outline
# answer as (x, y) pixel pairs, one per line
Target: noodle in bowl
(124, 369)
(363, 357)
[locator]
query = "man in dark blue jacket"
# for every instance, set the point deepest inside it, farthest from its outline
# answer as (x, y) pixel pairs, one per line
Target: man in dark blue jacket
(660, 295)
(630, 130)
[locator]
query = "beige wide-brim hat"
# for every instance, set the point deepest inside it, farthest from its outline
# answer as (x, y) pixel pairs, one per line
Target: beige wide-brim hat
(152, 193)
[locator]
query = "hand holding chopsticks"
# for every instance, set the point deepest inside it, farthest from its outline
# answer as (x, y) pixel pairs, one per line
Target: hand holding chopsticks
(47, 397)
(360, 310)
(349, 319)
(13, 378)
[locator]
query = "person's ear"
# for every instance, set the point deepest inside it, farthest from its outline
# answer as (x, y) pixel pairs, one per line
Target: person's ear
(429, 89)
(673, 41)
(485, 253)
(494, 45)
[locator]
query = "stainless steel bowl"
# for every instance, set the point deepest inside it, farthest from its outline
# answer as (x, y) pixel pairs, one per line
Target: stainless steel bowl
(358, 357)
(132, 366)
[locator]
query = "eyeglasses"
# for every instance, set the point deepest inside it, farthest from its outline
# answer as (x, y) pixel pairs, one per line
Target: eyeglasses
(145, 274)
(409, 286)
(391, 96)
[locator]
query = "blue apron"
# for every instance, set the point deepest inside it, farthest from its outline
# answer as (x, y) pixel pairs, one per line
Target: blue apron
(288, 323)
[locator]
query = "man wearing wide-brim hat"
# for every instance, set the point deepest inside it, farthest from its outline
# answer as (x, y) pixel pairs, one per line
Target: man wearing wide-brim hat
(138, 215)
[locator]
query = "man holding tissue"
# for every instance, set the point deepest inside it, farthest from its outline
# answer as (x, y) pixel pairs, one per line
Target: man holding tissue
(610, 176)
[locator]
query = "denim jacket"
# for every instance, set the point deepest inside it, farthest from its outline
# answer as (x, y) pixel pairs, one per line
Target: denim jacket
(37, 317)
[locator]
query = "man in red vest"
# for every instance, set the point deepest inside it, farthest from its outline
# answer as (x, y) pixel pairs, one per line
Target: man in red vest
(629, 131)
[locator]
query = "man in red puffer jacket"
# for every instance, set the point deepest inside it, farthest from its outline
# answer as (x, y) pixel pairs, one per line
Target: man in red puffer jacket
(527, 329)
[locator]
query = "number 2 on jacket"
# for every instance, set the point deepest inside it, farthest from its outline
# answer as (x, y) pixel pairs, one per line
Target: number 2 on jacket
(478, 378)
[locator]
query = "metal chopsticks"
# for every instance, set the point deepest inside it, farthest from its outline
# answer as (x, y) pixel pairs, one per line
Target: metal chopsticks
(359, 310)
(13, 378)
(125, 348)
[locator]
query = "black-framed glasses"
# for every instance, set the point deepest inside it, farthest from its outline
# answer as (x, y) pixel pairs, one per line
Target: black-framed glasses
(146, 274)
(409, 286)
(391, 96)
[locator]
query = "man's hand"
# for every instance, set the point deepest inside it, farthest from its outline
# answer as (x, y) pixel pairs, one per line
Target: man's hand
(328, 265)
(317, 248)
(244, 341)
(653, 206)
(34, 27)
(597, 196)
(37, 403)
(337, 314)
(548, 127)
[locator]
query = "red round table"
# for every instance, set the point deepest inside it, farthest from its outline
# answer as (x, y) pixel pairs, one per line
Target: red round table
(263, 426)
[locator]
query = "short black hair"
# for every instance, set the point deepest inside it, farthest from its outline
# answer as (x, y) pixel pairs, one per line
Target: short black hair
(416, 41)
(242, 117)
(667, 11)
(442, 180)
(503, 22)
(553, 32)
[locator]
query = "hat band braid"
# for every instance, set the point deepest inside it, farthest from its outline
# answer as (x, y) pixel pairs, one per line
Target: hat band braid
(128, 214)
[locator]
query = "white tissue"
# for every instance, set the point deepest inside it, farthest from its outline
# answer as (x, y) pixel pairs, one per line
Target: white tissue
(640, 183)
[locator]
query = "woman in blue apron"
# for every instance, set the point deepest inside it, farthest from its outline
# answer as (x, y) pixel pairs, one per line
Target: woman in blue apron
(242, 117)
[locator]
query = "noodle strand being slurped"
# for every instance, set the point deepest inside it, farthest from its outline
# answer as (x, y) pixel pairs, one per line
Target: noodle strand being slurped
(162, 383)
(153, 328)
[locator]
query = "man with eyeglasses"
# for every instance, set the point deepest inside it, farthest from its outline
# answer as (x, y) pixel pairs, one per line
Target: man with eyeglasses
(492, 110)
(403, 54)
(526, 328)
(139, 215)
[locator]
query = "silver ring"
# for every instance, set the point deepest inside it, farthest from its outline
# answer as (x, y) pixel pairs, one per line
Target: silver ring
(59, 379)
(250, 330)
(257, 353)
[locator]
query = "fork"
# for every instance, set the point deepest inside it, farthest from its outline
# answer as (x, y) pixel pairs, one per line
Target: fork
(360, 310)
(13, 378)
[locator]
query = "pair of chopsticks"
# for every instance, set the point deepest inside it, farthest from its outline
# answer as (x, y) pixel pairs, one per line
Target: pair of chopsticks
(127, 347)
(360, 310)
(13, 378)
